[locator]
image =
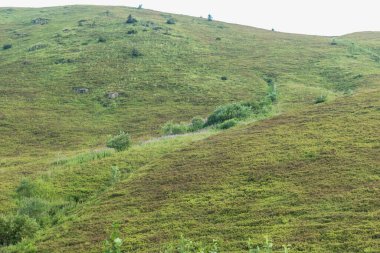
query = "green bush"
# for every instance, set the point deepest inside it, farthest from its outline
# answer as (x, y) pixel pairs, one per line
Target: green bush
(171, 128)
(197, 123)
(321, 99)
(14, 228)
(7, 46)
(229, 111)
(228, 124)
(35, 208)
(210, 18)
(120, 142)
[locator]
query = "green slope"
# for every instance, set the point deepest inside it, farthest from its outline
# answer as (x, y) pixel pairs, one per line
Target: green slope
(308, 177)
(310, 180)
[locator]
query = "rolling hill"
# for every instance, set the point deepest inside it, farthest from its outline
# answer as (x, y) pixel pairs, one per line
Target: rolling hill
(305, 173)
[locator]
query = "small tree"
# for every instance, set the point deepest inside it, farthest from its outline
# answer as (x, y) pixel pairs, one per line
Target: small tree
(210, 18)
(140, 6)
(119, 142)
(131, 20)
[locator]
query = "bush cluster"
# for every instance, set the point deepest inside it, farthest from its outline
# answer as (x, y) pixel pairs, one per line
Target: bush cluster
(228, 115)
(227, 112)
(14, 228)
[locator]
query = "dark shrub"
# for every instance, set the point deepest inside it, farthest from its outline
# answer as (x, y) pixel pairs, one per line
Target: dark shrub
(171, 21)
(132, 32)
(7, 46)
(120, 142)
(218, 39)
(228, 124)
(197, 123)
(209, 17)
(224, 78)
(171, 128)
(226, 112)
(140, 6)
(131, 20)
(321, 99)
(135, 53)
(333, 42)
(14, 228)
(101, 39)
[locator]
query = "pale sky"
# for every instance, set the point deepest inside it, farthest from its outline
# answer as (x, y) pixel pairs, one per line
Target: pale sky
(319, 17)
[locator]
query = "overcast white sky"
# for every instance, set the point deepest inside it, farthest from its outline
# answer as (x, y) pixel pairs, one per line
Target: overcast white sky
(321, 17)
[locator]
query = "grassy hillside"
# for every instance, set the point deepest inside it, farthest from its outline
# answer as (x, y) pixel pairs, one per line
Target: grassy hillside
(307, 175)
(310, 180)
